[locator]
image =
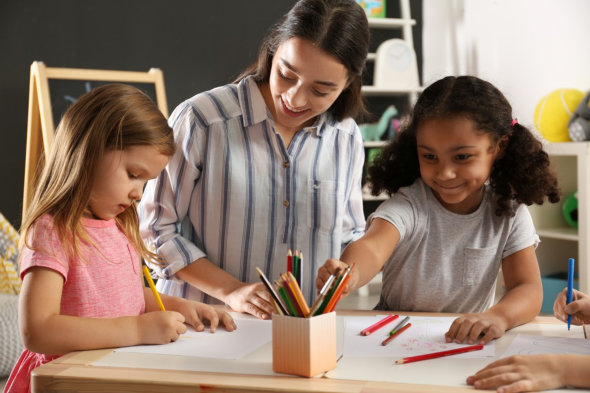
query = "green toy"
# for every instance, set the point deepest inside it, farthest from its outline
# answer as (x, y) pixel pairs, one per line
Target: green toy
(570, 210)
(374, 131)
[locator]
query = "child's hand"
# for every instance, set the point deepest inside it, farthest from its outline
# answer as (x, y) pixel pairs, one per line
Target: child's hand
(521, 374)
(252, 299)
(334, 266)
(160, 327)
(579, 308)
(470, 327)
(196, 313)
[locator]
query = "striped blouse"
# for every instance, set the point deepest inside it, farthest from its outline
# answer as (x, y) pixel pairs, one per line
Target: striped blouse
(233, 191)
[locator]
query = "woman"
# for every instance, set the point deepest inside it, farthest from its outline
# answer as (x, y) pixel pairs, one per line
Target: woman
(270, 163)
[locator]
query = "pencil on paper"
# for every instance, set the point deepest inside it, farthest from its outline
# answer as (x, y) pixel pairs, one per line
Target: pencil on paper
(434, 355)
(399, 325)
(148, 277)
(395, 334)
(378, 325)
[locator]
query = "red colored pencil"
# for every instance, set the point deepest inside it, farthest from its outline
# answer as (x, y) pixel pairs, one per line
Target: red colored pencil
(439, 354)
(397, 333)
(376, 326)
(290, 261)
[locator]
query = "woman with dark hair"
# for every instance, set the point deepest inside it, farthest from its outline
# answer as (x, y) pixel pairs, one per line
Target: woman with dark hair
(270, 163)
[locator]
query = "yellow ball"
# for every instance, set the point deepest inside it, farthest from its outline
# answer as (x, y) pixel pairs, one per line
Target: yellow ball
(554, 111)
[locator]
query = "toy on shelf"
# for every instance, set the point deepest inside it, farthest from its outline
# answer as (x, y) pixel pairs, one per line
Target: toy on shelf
(553, 113)
(373, 8)
(570, 210)
(579, 124)
(375, 131)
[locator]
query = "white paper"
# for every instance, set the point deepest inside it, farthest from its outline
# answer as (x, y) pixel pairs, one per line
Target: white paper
(524, 344)
(249, 336)
(426, 335)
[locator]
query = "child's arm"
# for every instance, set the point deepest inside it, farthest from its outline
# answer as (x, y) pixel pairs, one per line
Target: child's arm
(45, 330)
(195, 313)
(533, 372)
(520, 304)
(579, 308)
(369, 254)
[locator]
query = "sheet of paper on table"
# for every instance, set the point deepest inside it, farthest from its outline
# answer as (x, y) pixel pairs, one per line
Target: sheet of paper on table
(250, 335)
(426, 335)
(524, 344)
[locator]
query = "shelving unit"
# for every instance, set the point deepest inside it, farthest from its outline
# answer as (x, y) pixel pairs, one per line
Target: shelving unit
(559, 241)
(405, 23)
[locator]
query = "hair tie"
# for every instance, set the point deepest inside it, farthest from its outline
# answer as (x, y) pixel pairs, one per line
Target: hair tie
(514, 121)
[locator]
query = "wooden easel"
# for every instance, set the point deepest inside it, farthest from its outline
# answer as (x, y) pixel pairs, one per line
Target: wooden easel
(40, 125)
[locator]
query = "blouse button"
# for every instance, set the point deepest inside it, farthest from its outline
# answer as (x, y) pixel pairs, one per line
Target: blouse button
(286, 203)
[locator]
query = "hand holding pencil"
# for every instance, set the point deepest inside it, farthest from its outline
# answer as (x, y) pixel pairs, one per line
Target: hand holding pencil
(333, 267)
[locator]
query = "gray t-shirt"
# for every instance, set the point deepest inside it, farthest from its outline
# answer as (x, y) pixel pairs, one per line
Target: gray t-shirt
(447, 262)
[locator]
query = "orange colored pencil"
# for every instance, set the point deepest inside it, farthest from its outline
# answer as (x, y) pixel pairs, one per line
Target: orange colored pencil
(338, 293)
(298, 294)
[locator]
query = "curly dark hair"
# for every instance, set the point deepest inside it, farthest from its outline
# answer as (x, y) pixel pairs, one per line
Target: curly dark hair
(522, 174)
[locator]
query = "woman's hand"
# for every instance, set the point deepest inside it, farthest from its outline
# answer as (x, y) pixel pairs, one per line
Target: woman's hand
(252, 299)
(470, 327)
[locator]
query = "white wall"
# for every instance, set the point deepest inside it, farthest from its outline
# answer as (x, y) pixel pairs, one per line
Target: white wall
(527, 48)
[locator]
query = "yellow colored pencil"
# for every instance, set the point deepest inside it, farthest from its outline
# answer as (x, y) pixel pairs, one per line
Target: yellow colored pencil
(298, 294)
(148, 277)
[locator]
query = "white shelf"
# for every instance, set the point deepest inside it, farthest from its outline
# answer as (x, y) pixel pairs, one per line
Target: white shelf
(390, 23)
(567, 148)
(559, 233)
(571, 163)
(382, 91)
(375, 143)
(404, 23)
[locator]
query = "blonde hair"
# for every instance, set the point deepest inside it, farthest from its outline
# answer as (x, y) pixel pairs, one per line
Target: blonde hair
(109, 117)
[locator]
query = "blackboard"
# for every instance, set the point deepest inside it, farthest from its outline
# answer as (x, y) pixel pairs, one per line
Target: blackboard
(53, 90)
(64, 92)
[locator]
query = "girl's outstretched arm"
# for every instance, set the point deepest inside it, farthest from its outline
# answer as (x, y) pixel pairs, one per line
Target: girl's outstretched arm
(44, 330)
(521, 303)
(369, 254)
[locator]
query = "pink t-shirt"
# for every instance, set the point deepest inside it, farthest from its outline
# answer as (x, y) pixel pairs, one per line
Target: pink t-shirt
(104, 282)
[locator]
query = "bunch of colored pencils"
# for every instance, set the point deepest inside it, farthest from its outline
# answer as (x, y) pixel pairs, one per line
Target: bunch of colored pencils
(295, 265)
(289, 299)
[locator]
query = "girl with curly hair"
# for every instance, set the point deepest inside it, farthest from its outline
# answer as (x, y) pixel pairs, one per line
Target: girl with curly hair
(460, 177)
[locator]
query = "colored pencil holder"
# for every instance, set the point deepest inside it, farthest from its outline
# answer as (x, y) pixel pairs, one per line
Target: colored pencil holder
(304, 346)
